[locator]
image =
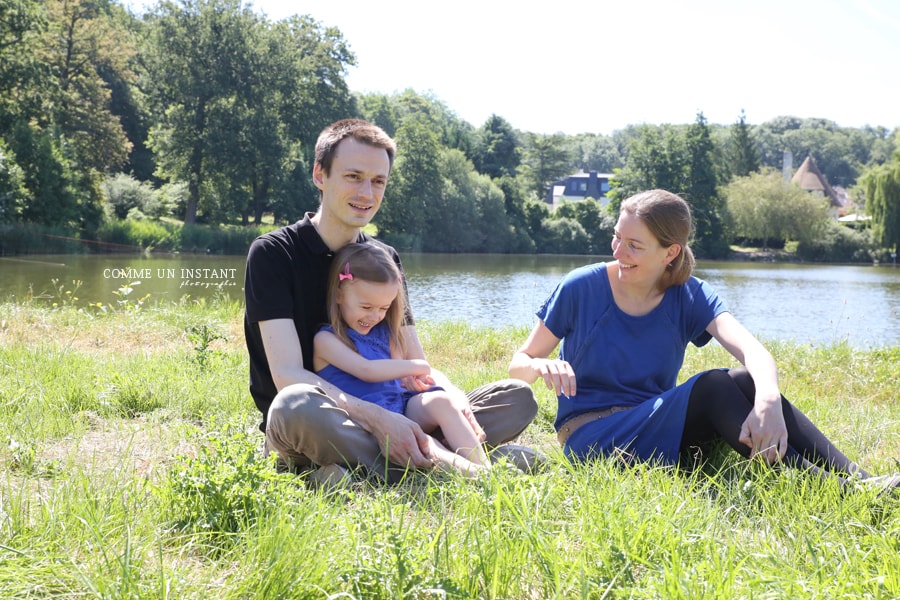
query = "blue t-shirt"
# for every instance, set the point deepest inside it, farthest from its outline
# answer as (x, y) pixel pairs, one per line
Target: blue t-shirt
(619, 359)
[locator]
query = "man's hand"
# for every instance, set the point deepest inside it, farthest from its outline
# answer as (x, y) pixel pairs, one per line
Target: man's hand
(401, 440)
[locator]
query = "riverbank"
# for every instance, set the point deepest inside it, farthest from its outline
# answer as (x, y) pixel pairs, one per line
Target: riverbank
(131, 469)
(169, 236)
(742, 254)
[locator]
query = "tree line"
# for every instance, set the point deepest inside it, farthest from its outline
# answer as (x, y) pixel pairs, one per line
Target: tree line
(205, 111)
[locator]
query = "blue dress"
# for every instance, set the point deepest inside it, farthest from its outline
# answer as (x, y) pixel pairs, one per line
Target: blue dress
(622, 360)
(376, 345)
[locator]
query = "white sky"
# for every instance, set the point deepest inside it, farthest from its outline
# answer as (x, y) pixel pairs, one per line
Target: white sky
(575, 66)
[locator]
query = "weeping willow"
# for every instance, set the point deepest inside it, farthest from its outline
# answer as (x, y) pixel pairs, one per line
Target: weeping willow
(882, 186)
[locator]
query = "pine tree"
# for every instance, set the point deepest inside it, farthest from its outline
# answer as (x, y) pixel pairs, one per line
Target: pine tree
(743, 151)
(702, 192)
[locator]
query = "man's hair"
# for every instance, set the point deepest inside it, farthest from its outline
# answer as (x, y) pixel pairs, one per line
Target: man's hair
(361, 131)
(366, 262)
(668, 217)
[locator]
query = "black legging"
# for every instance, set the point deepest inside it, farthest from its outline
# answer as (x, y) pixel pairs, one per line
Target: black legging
(720, 402)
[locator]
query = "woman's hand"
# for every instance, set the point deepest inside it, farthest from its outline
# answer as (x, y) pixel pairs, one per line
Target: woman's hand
(557, 375)
(531, 362)
(765, 432)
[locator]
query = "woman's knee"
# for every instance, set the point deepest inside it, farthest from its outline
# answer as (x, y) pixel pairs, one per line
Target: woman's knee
(741, 378)
(712, 384)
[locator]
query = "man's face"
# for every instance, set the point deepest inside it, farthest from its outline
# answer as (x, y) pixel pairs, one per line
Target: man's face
(353, 191)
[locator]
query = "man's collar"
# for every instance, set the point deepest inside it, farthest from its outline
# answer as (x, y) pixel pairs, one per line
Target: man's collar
(309, 233)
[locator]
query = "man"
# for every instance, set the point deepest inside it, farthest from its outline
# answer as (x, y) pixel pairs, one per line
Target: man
(308, 422)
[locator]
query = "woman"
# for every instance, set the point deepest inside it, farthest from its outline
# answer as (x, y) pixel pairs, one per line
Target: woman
(624, 327)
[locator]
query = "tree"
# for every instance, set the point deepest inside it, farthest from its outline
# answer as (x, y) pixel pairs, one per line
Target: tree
(545, 159)
(467, 213)
(536, 215)
(657, 158)
(593, 152)
(415, 183)
(80, 41)
(514, 204)
(497, 148)
(379, 109)
(197, 54)
(743, 153)
(293, 87)
(882, 186)
(55, 192)
(564, 236)
(13, 194)
(451, 220)
(23, 76)
(764, 208)
(702, 192)
(596, 222)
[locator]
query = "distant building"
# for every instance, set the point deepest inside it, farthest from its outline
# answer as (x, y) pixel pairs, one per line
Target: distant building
(579, 187)
(810, 178)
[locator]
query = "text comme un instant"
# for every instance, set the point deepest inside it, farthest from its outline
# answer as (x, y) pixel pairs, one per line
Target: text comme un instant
(132, 273)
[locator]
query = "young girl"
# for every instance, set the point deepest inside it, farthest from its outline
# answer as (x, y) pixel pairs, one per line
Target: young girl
(363, 352)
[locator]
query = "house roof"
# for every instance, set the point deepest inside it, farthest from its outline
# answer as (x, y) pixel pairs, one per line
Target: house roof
(810, 178)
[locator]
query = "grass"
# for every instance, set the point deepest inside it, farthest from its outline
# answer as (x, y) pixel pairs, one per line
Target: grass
(131, 469)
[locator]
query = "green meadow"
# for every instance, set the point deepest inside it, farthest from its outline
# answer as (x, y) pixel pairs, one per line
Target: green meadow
(131, 469)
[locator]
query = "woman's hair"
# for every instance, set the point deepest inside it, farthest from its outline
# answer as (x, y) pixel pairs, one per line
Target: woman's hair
(365, 262)
(361, 131)
(668, 218)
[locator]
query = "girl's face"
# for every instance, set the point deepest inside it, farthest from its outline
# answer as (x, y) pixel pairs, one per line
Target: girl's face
(639, 254)
(364, 304)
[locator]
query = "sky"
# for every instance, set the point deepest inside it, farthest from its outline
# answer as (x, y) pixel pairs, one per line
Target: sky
(580, 66)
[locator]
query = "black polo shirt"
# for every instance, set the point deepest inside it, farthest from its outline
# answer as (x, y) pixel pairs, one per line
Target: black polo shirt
(286, 278)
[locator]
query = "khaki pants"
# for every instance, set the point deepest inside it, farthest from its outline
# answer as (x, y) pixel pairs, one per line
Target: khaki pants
(306, 428)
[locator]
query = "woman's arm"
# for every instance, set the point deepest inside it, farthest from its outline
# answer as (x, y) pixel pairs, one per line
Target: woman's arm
(530, 362)
(329, 350)
(764, 430)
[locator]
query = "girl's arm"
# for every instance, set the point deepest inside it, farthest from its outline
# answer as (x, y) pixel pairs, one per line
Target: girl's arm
(530, 362)
(329, 350)
(764, 430)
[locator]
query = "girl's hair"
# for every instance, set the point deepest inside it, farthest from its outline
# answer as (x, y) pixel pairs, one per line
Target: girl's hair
(668, 217)
(366, 262)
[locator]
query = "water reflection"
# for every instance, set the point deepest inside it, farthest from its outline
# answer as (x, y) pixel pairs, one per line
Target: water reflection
(816, 304)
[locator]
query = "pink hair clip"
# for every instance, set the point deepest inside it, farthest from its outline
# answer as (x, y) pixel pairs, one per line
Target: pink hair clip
(346, 274)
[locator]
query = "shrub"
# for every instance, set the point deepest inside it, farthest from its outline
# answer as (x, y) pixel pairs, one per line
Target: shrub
(838, 243)
(124, 193)
(144, 234)
(226, 488)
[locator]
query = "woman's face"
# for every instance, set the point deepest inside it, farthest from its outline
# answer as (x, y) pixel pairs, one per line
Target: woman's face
(639, 255)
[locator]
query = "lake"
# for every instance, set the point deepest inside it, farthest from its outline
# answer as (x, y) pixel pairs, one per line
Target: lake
(812, 304)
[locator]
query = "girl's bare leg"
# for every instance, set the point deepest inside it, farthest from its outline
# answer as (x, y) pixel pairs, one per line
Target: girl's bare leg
(439, 409)
(450, 461)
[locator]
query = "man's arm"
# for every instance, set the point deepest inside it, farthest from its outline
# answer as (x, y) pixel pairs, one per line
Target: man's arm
(404, 439)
